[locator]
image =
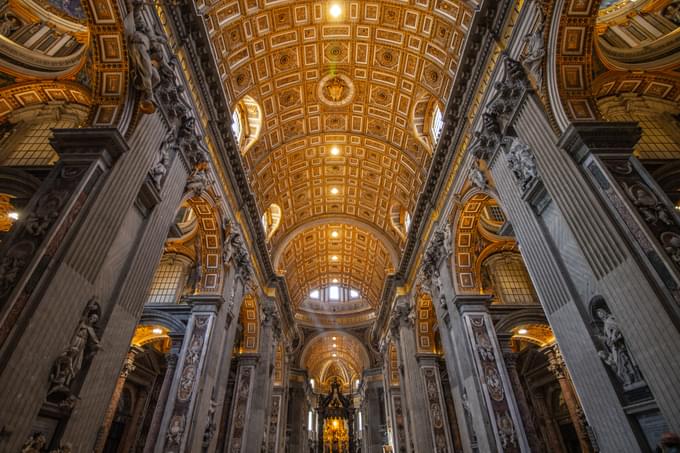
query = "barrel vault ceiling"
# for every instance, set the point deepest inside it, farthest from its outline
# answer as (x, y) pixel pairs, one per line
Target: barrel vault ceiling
(344, 105)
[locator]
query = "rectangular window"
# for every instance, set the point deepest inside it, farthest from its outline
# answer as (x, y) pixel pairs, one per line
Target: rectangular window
(334, 293)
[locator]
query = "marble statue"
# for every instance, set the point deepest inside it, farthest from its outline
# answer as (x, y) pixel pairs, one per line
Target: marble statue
(615, 353)
(145, 73)
(522, 163)
(84, 344)
(533, 60)
(477, 176)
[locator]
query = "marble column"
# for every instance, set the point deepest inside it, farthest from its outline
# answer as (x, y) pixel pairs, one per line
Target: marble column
(510, 360)
(180, 426)
(499, 399)
(559, 369)
(573, 251)
(262, 383)
(159, 410)
(372, 412)
(475, 429)
(128, 367)
(413, 388)
(249, 416)
(551, 433)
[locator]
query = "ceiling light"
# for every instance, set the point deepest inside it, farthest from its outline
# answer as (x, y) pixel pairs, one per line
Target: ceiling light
(13, 215)
(335, 234)
(335, 280)
(335, 190)
(335, 338)
(334, 354)
(335, 151)
(335, 345)
(335, 10)
(334, 258)
(522, 331)
(157, 331)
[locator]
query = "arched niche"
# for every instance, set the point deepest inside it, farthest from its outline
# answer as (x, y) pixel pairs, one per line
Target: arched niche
(400, 220)
(477, 236)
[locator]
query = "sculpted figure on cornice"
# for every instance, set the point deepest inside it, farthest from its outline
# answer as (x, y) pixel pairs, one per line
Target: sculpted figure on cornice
(146, 76)
(535, 50)
(403, 315)
(234, 250)
(155, 77)
(522, 162)
(476, 175)
(508, 93)
(198, 182)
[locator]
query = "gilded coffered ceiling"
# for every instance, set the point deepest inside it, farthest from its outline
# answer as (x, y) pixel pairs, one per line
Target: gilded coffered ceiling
(346, 92)
(335, 354)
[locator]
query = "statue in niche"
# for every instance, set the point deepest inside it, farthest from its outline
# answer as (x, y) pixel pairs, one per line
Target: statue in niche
(533, 60)
(84, 344)
(615, 353)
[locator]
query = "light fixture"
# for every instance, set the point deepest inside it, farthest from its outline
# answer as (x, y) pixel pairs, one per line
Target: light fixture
(335, 345)
(334, 234)
(335, 10)
(335, 190)
(13, 215)
(157, 331)
(335, 338)
(335, 280)
(522, 331)
(335, 151)
(334, 354)
(334, 258)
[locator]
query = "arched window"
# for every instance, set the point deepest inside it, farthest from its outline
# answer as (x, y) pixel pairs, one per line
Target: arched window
(246, 123)
(509, 279)
(400, 219)
(170, 279)
(437, 124)
(271, 220)
(236, 125)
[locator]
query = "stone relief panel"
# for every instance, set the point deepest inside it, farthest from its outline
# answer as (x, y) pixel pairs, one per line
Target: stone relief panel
(189, 374)
(241, 405)
(494, 383)
(437, 412)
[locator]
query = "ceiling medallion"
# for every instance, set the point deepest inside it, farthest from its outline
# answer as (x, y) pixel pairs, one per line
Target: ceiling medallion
(336, 90)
